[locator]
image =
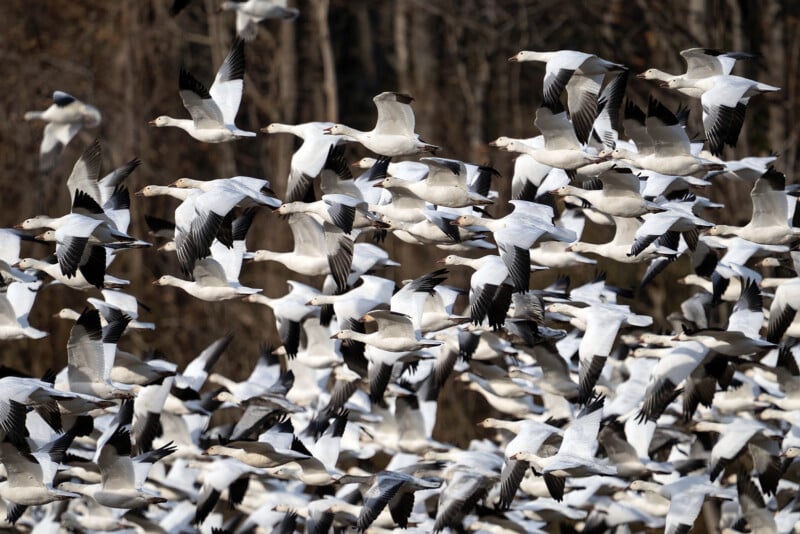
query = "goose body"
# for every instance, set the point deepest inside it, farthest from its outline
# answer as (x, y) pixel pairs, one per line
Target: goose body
(210, 283)
(213, 110)
(393, 134)
(250, 13)
(64, 118)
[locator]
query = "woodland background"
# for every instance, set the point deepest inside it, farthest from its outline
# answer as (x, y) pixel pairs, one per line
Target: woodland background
(123, 56)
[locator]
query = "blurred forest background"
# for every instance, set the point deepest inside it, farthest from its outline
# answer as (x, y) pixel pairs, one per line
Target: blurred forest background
(123, 56)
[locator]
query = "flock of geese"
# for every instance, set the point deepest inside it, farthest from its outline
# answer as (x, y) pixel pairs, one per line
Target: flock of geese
(599, 422)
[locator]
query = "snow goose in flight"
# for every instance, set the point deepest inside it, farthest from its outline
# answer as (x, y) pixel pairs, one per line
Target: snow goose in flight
(619, 196)
(516, 233)
(395, 333)
(250, 13)
(123, 476)
(734, 435)
(700, 63)
(724, 99)
(530, 435)
(64, 118)
(529, 174)
(769, 224)
(742, 334)
(561, 147)
(667, 375)
(202, 217)
(88, 363)
(272, 450)
(665, 146)
(91, 271)
(490, 290)
(210, 283)
(319, 468)
(686, 497)
(433, 226)
(602, 324)
(106, 192)
(581, 74)
(445, 185)
(678, 216)
(213, 110)
(619, 248)
(393, 134)
(15, 305)
(576, 455)
(783, 310)
(343, 211)
(289, 311)
(394, 489)
(726, 271)
(309, 160)
(29, 473)
(116, 301)
(371, 292)
(77, 237)
(319, 249)
(253, 188)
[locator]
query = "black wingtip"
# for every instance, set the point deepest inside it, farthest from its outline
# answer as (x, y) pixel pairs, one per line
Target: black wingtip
(187, 82)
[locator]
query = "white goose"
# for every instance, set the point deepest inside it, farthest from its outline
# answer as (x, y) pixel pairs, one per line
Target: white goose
(395, 333)
(369, 294)
(250, 13)
(686, 497)
(213, 110)
(253, 188)
(211, 282)
(602, 324)
(576, 455)
(668, 149)
(529, 174)
(15, 305)
(581, 74)
(516, 233)
(289, 311)
(91, 273)
(490, 287)
(74, 232)
(29, 473)
(318, 250)
(393, 134)
(700, 63)
(123, 476)
(724, 99)
(769, 223)
(309, 160)
(561, 147)
(445, 184)
(64, 118)
(88, 363)
(619, 196)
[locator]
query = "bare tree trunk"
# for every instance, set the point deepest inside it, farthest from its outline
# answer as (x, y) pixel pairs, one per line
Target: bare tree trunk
(782, 71)
(696, 21)
(401, 44)
(328, 65)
